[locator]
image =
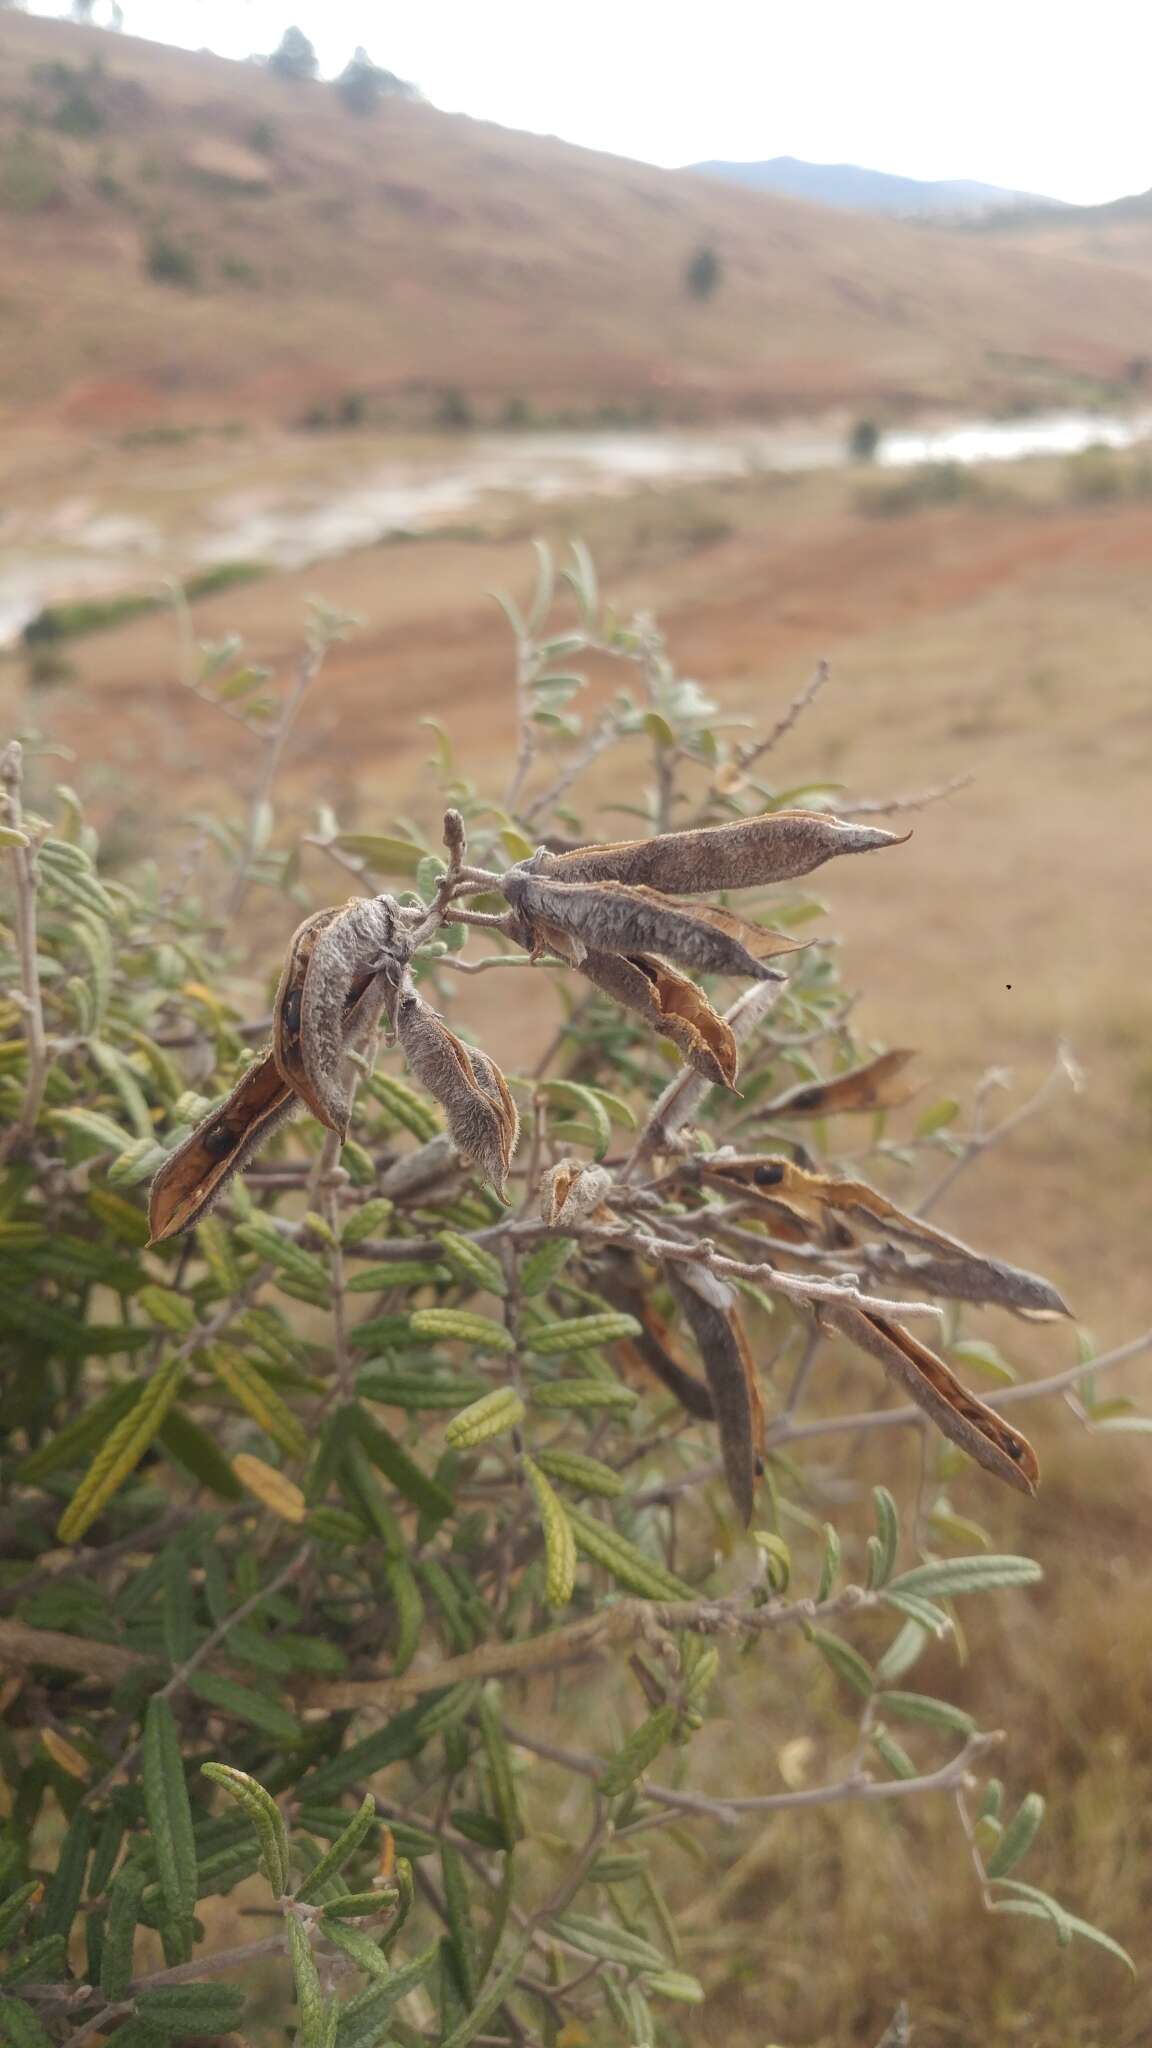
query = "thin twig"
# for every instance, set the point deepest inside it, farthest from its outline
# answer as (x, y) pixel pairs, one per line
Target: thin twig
(595, 1636)
(887, 807)
(307, 669)
(25, 868)
(746, 756)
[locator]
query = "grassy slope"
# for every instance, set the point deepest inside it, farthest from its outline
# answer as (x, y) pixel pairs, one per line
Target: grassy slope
(422, 247)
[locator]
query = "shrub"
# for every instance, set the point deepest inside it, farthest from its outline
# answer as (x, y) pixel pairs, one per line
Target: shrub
(929, 483)
(455, 411)
(29, 176)
(374, 1440)
(168, 261)
(362, 85)
(1094, 477)
(702, 272)
(295, 57)
(262, 138)
(863, 441)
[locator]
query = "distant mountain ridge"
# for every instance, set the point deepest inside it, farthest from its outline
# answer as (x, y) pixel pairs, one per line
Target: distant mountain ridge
(853, 189)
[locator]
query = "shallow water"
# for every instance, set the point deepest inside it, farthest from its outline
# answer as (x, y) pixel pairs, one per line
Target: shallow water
(84, 546)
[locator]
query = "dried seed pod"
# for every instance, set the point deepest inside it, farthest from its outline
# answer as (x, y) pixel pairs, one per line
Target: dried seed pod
(875, 1085)
(343, 968)
(468, 1086)
(959, 1416)
(569, 1191)
(194, 1175)
(287, 1007)
(617, 1277)
(812, 1196)
(973, 1277)
(708, 1306)
(416, 1175)
(673, 1006)
(775, 847)
(608, 917)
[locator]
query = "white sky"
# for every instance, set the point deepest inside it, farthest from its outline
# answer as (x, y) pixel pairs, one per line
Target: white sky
(1047, 95)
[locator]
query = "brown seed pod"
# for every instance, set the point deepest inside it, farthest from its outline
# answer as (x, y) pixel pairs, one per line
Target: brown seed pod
(672, 1005)
(343, 967)
(194, 1175)
(618, 1279)
(968, 1276)
(775, 847)
(934, 1387)
(875, 1085)
(608, 917)
(469, 1087)
(708, 1306)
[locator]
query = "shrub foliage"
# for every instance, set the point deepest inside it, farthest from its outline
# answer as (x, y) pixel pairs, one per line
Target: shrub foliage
(324, 1487)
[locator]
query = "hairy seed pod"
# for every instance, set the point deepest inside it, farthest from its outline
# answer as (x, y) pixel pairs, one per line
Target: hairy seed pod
(343, 969)
(608, 917)
(744, 855)
(708, 1306)
(194, 1174)
(672, 1005)
(468, 1086)
(958, 1415)
(569, 1191)
(972, 1277)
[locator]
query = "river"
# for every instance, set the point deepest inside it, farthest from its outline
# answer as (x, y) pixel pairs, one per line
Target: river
(86, 544)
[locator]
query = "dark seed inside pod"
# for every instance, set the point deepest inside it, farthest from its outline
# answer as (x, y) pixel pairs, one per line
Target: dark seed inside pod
(221, 1141)
(291, 1012)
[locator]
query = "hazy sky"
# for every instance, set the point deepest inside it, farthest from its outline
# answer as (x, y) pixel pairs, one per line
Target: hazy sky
(1047, 96)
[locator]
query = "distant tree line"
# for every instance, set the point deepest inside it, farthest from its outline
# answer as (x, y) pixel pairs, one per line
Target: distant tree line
(361, 85)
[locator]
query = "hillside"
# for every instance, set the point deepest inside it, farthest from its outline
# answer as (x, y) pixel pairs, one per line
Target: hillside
(299, 254)
(858, 190)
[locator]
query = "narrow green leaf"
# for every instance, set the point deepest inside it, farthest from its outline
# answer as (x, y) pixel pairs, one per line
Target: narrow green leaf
(122, 1451)
(955, 1575)
(887, 1537)
(1017, 1838)
(341, 1851)
(845, 1661)
(169, 1810)
(192, 2008)
(641, 1749)
(265, 1817)
(311, 2003)
(917, 1706)
(830, 1564)
(242, 1703)
(120, 1929)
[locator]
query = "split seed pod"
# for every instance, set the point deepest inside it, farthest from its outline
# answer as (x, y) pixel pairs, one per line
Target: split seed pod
(744, 855)
(198, 1170)
(343, 967)
(672, 1005)
(875, 1085)
(569, 1191)
(608, 917)
(469, 1087)
(958, 1415)
(708, 1306)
